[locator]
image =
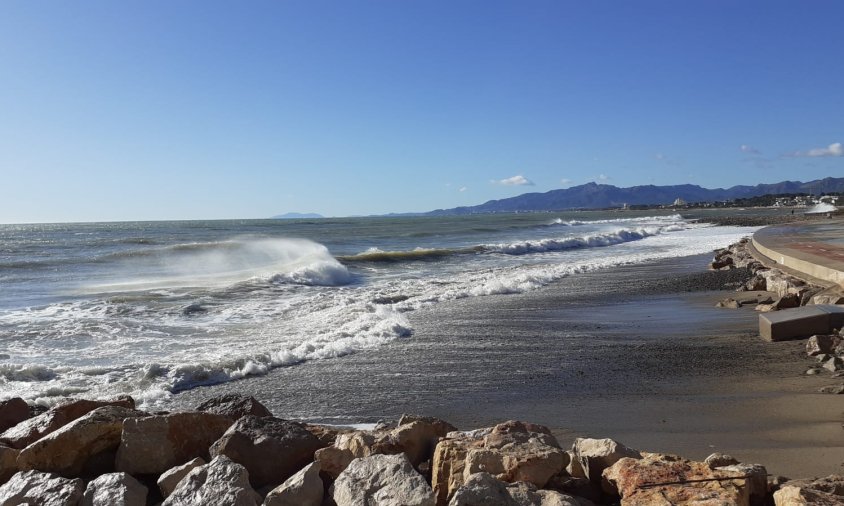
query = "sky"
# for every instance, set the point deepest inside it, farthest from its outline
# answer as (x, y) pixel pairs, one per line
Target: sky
(155, 110)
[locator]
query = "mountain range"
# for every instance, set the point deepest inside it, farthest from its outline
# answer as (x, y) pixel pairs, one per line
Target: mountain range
(597, 196)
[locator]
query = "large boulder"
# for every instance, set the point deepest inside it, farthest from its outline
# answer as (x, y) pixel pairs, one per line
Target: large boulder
(511, 451)
(827, 491)
(115, 489)
(271, 449)
(80, 444)
(33, 429)
(333, 460)
(12, 412)
(668, 479)
(304, 488)
(8, 463)
(169, 480)
(482, 489)
(221, 482)
(234, 406)
(154, 444)
(595, 455)
(381, 480)
(42, 489)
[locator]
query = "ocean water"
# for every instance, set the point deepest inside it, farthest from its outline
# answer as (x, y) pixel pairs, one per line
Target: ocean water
(152, 309)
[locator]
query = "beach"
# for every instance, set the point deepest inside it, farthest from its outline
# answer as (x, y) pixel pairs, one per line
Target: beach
(650, 362)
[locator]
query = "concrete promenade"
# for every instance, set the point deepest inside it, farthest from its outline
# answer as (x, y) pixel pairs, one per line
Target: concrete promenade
(813, 250)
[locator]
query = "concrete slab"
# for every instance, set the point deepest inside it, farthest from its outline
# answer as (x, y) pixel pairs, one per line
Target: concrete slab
(801, 322)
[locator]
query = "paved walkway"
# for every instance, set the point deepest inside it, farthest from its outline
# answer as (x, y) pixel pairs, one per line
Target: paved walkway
(815, 249)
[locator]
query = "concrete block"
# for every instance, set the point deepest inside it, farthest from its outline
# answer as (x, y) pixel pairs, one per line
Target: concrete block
(796, 323)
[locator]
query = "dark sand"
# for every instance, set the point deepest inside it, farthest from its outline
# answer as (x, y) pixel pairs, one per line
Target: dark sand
(639, 354)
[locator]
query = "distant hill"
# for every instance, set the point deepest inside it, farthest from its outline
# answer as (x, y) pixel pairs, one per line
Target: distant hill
(297, 216)
(597, 196)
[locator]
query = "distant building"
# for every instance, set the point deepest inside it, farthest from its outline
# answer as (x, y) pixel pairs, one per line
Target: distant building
(679, 202)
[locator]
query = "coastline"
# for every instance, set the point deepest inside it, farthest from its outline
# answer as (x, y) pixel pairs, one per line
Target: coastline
(650, 362)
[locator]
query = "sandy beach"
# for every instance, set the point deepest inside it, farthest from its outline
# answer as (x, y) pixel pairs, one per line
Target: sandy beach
(651, 363)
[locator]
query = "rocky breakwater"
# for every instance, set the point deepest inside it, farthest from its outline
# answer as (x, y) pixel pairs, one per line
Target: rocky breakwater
(233, 451)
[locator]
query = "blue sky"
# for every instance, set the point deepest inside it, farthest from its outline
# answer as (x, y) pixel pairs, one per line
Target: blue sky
(198, 109)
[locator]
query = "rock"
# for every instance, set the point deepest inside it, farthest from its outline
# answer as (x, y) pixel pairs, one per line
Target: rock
(821, 344)
(326, 435)
(833, 364)
(595, 455)
(832, 389)
(812, 371)
(827, 491)
(721, 264)
(35, 428)
(305, 488)
(573, 468)
(154, 444)
(169, 480)
(581, 488)
(482, 489)
(440, 427)
(75, 446)
(756, 283)
(728, 303)
(234, 406)
(787, 301)
(221, 482)
(686, 482)
(381, 480)
(42, 489)
(13, 412)
(8, 463)
(270, 448)
(115, 489)
(333, 461)
(720, 460)
(828, 299)
(511, 451)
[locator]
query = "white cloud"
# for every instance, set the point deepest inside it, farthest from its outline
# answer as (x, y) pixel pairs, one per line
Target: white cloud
(749, 149)
(834, 149)
(603, 177)
(566, 180)
(462, 189)
(519, 180)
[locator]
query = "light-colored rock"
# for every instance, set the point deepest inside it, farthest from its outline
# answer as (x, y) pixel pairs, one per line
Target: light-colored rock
(234, 406)
(33, 429)
(68, 450)
(595, 455)
(305, 488)
(832, 389)
(685, 482)
(221, 482)
(333, 461)
(833, 364)
(270, 448)
(169, 480)
(381, 480)
(821, 344)
(12, 412)
(8, 463)
(154, 444)
(827, 491)
(573, 468)
(827, 298)
(511, 451)
(720, 460)
(115, 489)
(728, 303)
(482, 489)
(42, 489)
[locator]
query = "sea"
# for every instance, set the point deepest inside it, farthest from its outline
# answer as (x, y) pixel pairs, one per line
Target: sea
(151, 309)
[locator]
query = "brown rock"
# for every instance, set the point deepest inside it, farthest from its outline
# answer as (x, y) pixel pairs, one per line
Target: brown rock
(8, 463)
(719, 460)
(115, 489)
(595, 455)
(154, 444)
(728, 303)
(68, 450)
(42, 489)
(13, 412)
(822, 344)
(832, 389)
(482, 489)
(270, 448)
(169, 480)
(512, 451)
(638, 481)
(305, 488)
(234, 406)
(333, 461)
(33, 429)
(221, 482)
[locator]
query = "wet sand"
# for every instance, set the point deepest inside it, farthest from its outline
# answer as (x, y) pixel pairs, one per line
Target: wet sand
(639, 354)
